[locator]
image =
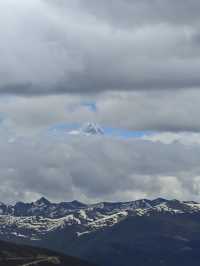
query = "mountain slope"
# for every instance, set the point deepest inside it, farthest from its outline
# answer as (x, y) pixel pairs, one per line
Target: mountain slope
(144, 240)
(40, 220)
(17, 255)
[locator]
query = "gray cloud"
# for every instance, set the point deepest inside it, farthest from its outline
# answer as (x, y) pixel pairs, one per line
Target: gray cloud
(155, 111)
(91, 169)
(88, 47)
(174, 111)
(137, 60)
(126, 13)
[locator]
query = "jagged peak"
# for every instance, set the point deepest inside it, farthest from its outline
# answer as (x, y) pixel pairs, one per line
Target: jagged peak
(42, 200)
(159, 201)
(92, 128)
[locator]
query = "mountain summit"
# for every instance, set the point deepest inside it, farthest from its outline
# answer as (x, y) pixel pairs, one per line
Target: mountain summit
(92, 129)
(42, 201)
(89, 129)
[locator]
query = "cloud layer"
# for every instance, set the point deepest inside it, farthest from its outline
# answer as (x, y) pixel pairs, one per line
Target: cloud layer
(88, 47)
(156, 111)
(137, 65)
(97, 168)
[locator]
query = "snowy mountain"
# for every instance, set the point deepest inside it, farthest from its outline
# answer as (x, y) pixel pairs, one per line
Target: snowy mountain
(34, 221)
(88, 129)
(92, 129)
(51, 225)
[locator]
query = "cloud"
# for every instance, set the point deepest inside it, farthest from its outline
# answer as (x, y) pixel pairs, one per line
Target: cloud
(130, 65)
(175, 111)
(24, 116)
(127, 13)
(187, 138)
(97, 168)
(155, 111)
(50, 47)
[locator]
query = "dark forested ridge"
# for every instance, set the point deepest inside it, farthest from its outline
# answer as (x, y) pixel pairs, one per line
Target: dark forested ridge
(20, 255)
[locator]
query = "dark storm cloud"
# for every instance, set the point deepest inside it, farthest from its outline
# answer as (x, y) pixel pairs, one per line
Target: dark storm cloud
(93, 46)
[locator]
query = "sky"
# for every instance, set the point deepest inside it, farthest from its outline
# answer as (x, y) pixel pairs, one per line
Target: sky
(132, 66)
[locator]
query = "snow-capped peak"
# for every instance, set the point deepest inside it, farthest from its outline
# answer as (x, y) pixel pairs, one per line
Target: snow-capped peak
(42, 201)
(92, 129)
(89, 129)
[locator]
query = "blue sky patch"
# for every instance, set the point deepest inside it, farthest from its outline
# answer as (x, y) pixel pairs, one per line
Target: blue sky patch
(108, 131)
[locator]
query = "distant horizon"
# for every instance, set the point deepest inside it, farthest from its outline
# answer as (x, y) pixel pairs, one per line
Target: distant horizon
(98, 202)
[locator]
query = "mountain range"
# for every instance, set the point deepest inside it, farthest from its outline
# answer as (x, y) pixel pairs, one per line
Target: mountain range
(146, 232)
